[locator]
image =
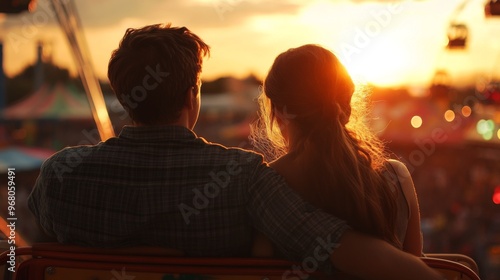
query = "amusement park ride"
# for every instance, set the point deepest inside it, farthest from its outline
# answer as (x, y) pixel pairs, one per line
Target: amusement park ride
(458, 32)
(458, 40)
(69, 21)
(54, 261)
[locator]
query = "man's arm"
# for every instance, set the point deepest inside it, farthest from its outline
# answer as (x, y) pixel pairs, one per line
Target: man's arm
(370, 258)
(303, 233)
(43, 236)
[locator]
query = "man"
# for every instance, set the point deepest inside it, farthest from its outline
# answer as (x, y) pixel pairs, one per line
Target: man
(159, 184)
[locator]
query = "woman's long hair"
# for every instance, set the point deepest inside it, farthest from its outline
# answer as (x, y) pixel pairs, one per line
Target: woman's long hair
(344, 161)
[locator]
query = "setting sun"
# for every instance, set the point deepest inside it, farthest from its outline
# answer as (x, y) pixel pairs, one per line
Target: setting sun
(383, 63)
(316, 118)
(386, 43)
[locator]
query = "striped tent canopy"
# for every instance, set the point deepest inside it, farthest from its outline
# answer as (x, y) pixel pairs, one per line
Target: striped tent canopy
(51, 102)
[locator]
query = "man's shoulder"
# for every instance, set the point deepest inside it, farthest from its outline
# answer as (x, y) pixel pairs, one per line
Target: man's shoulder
(72, 151)
(69, 156)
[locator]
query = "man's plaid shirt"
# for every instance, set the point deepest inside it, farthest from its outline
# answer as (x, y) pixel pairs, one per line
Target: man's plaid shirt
(164, 186)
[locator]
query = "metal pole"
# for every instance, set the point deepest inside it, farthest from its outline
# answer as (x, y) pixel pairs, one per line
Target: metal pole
(67, 16)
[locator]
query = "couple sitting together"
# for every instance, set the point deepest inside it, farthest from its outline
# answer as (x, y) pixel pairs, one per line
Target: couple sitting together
(331, 194)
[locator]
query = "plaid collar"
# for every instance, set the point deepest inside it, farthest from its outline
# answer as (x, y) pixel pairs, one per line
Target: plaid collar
(156, 133)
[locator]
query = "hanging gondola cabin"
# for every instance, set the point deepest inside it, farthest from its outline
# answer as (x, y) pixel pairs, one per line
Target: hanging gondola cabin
(457, 36)
(492, 8)
(16, 6)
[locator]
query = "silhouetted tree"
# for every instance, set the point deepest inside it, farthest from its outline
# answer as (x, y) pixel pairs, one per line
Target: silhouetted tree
(23, 84)
(252, 80)
(218, 85)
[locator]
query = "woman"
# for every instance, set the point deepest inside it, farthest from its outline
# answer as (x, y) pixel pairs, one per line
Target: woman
(327, 154)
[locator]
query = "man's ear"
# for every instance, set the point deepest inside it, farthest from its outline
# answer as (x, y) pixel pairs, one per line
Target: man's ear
(190, 101)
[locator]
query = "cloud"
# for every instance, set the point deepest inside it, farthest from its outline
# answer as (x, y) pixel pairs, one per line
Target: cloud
(105, 13)
(42, 16)
(193, 14)
(222, 13)
(385, 1)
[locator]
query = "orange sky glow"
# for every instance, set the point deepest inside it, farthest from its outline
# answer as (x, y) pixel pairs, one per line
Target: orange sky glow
(387, 43)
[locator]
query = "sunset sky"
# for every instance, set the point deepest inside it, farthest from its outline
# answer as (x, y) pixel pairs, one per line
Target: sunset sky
(388, 43)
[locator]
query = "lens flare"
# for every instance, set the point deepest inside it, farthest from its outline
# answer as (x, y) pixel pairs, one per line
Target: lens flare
(496, 195)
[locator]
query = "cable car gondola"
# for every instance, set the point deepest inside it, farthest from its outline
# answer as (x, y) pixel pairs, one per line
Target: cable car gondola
(492, 8)
(457, 36)
(16, 6)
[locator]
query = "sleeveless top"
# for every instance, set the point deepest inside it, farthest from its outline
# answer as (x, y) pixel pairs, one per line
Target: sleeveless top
(403, 214)
(397, 182)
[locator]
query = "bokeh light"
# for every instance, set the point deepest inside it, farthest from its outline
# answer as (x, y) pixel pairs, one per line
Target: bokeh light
(416, 121)
(488, 135)
(496, 195)
(449, 115)
(466, 111)
(481, 126)
(486, 128)
(490, 124)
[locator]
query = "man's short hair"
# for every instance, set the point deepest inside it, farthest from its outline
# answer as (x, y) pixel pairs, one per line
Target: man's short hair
(153, 69)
